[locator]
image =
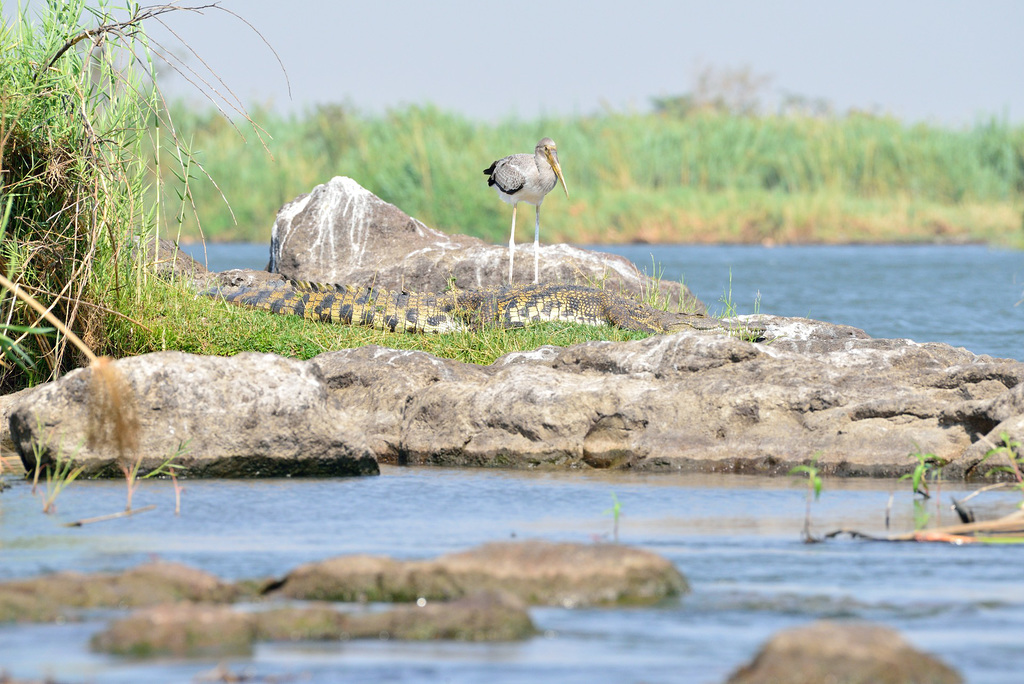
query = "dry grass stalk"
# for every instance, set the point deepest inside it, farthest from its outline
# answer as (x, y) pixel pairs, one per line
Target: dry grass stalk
(114, 420)
(113, 415)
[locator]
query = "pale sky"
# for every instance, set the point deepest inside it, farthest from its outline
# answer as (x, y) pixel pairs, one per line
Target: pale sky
(934, 60)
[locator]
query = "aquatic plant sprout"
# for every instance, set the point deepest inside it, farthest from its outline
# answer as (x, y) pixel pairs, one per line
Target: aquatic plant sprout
(814, 487)
(1010, 449)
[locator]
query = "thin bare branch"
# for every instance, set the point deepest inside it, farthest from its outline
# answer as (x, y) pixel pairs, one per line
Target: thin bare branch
(119, 28)
(110, 516)
(270, 47)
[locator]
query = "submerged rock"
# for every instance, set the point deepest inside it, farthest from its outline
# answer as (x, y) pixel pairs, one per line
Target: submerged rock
(481, 616)
(204, 630)
(844, 653)
(342, 233)
(180, 629)
(477, 594)
(46, 598)
(537, 572)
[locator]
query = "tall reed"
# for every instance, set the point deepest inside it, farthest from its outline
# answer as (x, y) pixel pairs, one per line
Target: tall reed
(71, 123)
(82, 127)
(706, 176)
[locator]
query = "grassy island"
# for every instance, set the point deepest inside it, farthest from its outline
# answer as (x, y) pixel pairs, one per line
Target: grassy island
(95, 162)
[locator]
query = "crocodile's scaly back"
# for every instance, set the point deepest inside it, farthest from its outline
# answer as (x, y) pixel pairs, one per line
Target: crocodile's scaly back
(373, 307)
(511, 306)
(516, 305)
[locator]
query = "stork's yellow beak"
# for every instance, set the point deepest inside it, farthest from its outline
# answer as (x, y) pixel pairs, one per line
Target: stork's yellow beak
(553, 160)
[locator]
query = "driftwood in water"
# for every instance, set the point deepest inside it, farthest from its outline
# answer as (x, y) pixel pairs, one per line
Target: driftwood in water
(1008, 529)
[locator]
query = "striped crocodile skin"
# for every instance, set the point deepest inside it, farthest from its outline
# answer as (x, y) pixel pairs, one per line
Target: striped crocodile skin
(510, 306)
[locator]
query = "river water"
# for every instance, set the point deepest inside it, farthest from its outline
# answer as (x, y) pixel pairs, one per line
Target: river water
(736, 538)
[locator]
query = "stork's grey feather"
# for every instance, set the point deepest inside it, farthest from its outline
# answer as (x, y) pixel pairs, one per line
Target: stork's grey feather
(526, 178)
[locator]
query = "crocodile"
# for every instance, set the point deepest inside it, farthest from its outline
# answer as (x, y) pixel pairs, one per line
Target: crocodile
(510, 306)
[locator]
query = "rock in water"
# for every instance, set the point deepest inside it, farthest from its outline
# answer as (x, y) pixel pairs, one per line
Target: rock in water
(537, 572)
(684, 401)
(844, 653)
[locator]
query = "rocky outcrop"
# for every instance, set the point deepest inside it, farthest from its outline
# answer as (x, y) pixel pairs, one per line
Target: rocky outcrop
(250, 415)
(342, 233)
(531, 572)
(846, 653)
(688, 402)
(683, 401)
(536, 572)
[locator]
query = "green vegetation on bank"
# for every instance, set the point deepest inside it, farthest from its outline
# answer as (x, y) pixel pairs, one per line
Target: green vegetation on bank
(72, 125)
(693, 176)
(90, 170)
(181, 320)
(81, 157)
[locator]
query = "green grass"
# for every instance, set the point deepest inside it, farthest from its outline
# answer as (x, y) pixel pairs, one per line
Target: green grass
(175, 318)
(80, 156)
(708, 177)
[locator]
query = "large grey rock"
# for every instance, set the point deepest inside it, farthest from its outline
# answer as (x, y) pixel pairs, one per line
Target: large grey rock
(250, 415)
(844, 653)
(688, 401)
(342, 233)
(375, 384)
(11, 463)
(685, 401)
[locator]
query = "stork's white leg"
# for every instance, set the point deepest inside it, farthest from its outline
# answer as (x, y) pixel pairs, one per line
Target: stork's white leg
(512, 244)
(536, 249)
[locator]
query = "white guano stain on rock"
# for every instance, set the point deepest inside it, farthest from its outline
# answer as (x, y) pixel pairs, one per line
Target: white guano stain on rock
(347, 234)
(357, 210)
(544, 354)
(322, 247)
(279, 236)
